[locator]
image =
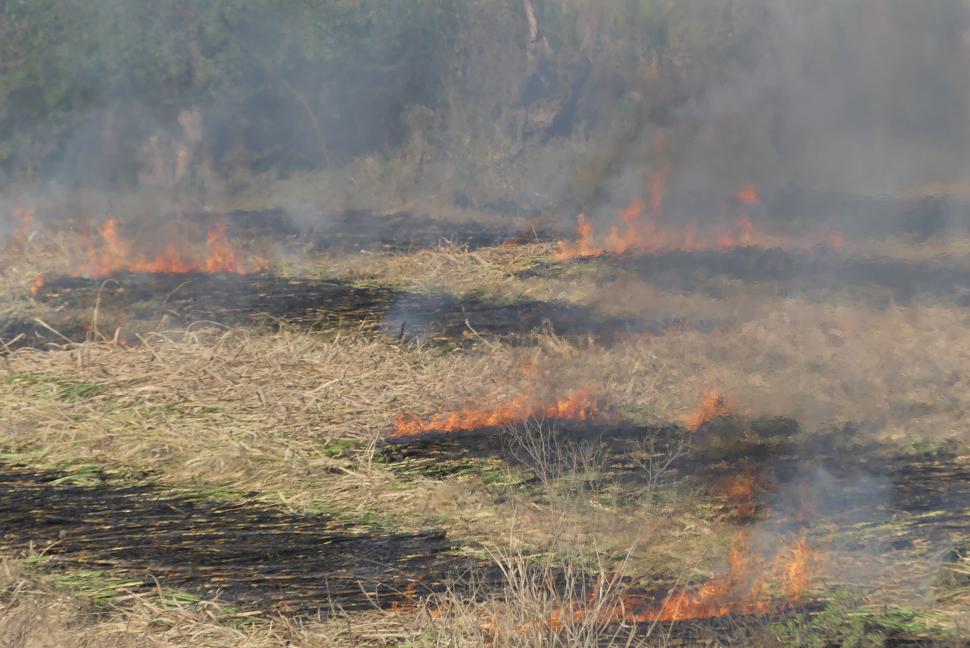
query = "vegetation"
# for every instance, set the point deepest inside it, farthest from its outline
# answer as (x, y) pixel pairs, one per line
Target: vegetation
(93, 93)
(244, 459)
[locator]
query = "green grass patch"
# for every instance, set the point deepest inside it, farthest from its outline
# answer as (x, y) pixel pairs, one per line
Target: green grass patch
(847, 621)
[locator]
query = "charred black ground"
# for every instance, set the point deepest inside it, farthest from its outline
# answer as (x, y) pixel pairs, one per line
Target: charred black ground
(240, 552)
(359, 229)
(780, 272)
(140, 302)
(876, 498)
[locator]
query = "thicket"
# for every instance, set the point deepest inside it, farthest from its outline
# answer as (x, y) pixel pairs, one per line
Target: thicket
(284, 85)
(536, 100)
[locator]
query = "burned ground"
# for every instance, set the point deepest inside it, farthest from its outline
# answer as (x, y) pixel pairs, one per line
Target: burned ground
(358, 229)
(240, 552)
(848, 495)
(784, 273)
(293, 400)
(167, 300)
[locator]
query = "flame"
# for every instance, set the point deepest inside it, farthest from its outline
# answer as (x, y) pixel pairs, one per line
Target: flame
(638, 231)
(223, 257)
(739, 488)
(583, 247)
(748, 195)
(112, 252)
(713, 407)
(752, 584)
(632, 237)
(647, 234)
(579, 405)
(658, 188)
(37, 285)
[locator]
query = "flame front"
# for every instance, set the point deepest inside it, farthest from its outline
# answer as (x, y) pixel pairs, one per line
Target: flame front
(578, 405)
(637, 230)
(752, 584)
(111, 252)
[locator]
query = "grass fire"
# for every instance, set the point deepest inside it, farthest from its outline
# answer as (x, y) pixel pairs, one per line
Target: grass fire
(526, 323)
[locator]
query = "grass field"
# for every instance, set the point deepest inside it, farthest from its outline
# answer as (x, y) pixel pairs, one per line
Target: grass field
(747, 418)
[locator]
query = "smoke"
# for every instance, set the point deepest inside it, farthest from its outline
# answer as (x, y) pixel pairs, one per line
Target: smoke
(521, 105)
(835, 98)
(864, 96)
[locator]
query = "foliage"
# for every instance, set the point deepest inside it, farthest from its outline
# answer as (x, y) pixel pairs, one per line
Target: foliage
(496, 104)
(845, 621)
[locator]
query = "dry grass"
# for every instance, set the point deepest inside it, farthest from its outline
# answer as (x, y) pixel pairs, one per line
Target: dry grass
(245, 410)
(37, 612)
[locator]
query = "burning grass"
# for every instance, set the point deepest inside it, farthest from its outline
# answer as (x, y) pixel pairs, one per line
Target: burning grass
(293, 418)
(641, 232)
(111, 253)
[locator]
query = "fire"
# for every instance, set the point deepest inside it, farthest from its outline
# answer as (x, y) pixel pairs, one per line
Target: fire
(748, 195)
(583, 247)
(641, 232)
(632, 237)
(37, 285)
(713, 407)
(740, 490)
(579, 405)
(752, 584)
(637, 230)
(111, 252)
(658, 188)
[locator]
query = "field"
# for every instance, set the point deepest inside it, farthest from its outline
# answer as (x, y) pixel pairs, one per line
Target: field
(455, 432)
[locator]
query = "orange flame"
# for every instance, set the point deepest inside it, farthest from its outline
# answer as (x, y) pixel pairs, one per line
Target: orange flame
(740, 491)
(658, 188)
(751, 585)
(646, 234)
(748, 195)
(579, 405)
(37, 285)
(713, 407)
(112, 252)
(747, 587)
(632, 237)
(583, 247)
(637, 232)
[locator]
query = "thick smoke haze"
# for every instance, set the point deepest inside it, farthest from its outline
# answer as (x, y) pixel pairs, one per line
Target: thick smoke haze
(863, 99)
(516, 107)
(869, 97)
